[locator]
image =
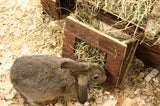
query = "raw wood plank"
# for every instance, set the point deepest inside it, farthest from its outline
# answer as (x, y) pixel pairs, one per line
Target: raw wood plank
(67, 54)
(69, 44)
(113, 65)
(98, 39)
(131, 49)
(69, 35)
(51, 7)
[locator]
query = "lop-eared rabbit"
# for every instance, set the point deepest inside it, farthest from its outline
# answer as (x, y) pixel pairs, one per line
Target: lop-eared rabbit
(42, 78)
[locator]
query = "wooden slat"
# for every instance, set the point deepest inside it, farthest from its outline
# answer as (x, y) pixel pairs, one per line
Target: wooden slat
(131, 49)
(113, 65)
(96, 38)
(66, 53)
(69, 44)
(50, 6)
(69, 35)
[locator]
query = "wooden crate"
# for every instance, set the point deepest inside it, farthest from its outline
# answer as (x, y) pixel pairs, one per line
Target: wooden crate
(119, 54)
(58, 8)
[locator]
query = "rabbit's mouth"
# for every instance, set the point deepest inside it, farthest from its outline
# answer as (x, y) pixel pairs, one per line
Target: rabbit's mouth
(97, 83)
(91, 85)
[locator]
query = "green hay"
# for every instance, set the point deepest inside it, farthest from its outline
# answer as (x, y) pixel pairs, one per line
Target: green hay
(86, 52)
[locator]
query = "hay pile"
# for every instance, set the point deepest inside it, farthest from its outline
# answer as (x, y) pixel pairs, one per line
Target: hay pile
(131, 11)
(87, 13)
(86, 52)
(135, 11)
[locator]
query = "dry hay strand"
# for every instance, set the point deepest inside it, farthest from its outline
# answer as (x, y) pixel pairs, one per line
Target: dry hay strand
(134, 12)
(86, 52)
(86, 13)
(130, 11)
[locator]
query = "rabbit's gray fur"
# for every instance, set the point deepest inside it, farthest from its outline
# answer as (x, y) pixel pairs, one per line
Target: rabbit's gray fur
(42, 78)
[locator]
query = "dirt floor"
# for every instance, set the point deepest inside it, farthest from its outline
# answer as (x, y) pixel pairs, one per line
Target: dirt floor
(24, 30)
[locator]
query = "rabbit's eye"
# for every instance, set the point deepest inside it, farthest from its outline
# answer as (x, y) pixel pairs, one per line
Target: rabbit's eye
(95, 77)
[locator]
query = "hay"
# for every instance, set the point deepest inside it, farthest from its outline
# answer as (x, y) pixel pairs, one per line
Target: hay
(86, 13)
(135, 11)
(130, 11)
(86, 52)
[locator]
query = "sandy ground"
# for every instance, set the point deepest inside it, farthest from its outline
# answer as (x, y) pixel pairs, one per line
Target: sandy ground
(24, 30)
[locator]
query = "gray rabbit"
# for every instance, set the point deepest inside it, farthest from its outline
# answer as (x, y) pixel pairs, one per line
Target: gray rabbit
(41, 78)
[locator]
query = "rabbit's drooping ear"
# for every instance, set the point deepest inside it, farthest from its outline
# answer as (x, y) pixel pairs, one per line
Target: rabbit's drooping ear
(82, 88)
(74, 65)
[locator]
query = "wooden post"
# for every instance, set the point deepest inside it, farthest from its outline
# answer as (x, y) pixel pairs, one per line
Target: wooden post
(58, 8)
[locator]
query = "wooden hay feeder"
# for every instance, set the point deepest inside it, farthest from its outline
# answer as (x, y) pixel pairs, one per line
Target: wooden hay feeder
(58, 8)
(119, 54)
(148, 50)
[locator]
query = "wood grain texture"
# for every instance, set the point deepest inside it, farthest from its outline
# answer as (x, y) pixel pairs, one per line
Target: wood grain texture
(68, 54)
(131, 49)
(113, 66)
(51, 7)
(96, 38)
(70, 35)
(69, 44)
(150, 55)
